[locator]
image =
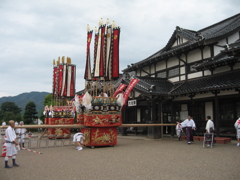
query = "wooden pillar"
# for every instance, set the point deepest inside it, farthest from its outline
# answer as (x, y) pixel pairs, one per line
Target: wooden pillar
(154, 112)
(173, 119)
(217, 117)
(149, 110)
(160, 116)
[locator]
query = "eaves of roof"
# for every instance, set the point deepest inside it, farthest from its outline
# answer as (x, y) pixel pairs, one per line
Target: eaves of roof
(212, 83)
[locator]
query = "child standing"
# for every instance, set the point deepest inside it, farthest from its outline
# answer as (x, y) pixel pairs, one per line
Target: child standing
(178, 130)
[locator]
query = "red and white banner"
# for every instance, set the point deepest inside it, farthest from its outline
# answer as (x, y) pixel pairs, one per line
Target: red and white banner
(95, 52)
(55, 83)
(73, 81)
(87, 74)
(64, 81)
(98, 54)
(102, 52)
(120, 88)
(131, 85)
(115, 53)
(108, 52)
(60, 79)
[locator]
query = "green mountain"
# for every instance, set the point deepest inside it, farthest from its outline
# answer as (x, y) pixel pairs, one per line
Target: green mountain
(21, 100)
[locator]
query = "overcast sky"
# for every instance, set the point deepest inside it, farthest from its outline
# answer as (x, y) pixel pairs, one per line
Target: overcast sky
(33, 33)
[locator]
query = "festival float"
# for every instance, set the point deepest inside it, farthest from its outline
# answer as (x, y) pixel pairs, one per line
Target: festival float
(99, 108)
(62, 111)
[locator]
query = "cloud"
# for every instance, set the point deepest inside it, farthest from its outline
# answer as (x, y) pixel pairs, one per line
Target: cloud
(33, 33)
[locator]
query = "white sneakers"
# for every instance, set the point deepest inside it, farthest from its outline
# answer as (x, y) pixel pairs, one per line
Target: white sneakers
(238, 144)
(79, 148)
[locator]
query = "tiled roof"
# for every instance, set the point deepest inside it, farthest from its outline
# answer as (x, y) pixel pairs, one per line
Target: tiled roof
(195, 39)
(221, 28)
(226, 81)
(151, 86)
(217, 61)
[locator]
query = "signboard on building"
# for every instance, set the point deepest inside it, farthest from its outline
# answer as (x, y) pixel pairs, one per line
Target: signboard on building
(132, 102)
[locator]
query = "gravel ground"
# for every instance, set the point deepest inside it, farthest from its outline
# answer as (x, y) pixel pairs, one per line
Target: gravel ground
(133, 158)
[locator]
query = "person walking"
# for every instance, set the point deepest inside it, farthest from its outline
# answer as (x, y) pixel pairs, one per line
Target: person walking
(178, 130)
(11, 143)
(209, 125)
(209, 136)
(237, 126)
(189, 124)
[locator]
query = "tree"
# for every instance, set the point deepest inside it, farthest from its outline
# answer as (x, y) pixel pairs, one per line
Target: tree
(10, 111)
(30, 113)
(48, 100)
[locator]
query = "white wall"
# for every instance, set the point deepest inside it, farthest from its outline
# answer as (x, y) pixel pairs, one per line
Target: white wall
(194, 55)
(160, 66)
(182, 70)
(233, 37)
(206, 52)
(207, 73)
(217, 49)
(172, 62)
(174, 79)
(138, 72)
(152, 68)
(182, 78)
(208, 109)
(221, 69)
(194, 75)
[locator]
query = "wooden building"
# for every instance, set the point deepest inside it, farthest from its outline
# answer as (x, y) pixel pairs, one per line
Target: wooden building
(196, 73)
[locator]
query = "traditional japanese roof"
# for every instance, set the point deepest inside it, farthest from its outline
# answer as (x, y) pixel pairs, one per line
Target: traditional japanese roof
(229, 56)
(218, 82)
(194, 39)
(151, 86)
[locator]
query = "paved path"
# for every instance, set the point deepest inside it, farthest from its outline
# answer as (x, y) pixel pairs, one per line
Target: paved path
(134, 158)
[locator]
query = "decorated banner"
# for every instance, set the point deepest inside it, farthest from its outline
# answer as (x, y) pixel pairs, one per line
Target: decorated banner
(120, 88)
(55, 82)
(95, 51)
(108, 52)
(98, 54)
(60, 78)
(102, 52)
(115, 53)
(64, 79)
(87, 74)
(73, 81)
(131, 85)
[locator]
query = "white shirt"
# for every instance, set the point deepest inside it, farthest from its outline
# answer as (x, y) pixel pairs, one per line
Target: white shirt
(209, 125)
(3, 123)
(178, 127)
(237, 124)
(10, 134)
(188, 123)
(21, 130)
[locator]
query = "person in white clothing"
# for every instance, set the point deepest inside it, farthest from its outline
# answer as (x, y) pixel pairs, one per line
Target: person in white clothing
(78, 140)
(3, 123)
(210, 125)
(189, 124)
(237, 126)
(10, 143)
(21, 133)
(178, 130)
(209, 129)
